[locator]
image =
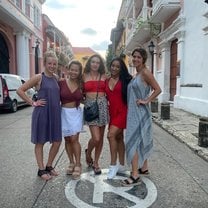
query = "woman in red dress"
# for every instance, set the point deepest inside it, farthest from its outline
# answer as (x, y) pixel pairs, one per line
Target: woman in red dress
(116, 91)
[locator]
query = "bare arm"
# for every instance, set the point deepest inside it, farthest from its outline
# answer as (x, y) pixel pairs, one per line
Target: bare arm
(156, 90)
(33, 82)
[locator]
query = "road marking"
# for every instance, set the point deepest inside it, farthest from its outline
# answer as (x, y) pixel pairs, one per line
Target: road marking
(101, 186)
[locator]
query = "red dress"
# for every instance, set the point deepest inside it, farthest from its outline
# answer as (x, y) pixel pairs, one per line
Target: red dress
(117, 108)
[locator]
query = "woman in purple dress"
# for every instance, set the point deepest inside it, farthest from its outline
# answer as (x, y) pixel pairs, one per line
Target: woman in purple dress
(46, 117)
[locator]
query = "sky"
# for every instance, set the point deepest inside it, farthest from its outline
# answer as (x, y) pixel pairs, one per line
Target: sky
(86, 23)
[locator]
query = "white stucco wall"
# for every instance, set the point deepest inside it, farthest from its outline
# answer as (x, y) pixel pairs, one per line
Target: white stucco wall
(195, 68)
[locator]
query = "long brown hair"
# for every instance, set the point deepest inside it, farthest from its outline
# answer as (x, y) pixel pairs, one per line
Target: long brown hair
(101, 68)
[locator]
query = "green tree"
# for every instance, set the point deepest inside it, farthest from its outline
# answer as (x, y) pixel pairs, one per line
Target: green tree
(109, 56)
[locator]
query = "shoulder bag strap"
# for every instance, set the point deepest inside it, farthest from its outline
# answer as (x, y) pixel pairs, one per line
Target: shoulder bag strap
(98, 86)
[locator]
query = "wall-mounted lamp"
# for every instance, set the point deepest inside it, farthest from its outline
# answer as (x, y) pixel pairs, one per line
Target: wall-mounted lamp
(151, 47)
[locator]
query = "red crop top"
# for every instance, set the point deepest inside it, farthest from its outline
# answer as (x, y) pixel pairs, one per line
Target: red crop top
(67, 96)
(92, 86)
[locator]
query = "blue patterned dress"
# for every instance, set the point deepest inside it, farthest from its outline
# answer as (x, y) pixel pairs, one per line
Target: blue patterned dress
(139, 122)
(46, 120)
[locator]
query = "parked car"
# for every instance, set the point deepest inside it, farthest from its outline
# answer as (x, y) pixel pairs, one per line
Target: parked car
(9, 99)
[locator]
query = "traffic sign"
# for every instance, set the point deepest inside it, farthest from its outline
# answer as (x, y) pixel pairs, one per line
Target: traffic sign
(97, 191)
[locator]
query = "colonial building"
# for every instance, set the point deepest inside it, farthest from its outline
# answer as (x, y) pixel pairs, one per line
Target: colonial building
(20, 36)
(175, 32)
(25, 34)
(82, 53)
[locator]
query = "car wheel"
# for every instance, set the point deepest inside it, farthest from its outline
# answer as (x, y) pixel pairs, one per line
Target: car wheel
(14, 106)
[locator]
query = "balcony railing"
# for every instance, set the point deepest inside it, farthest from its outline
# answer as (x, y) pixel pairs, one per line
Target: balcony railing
(163, 9)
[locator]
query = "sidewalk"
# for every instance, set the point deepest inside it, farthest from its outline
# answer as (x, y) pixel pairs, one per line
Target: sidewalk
(183, 126)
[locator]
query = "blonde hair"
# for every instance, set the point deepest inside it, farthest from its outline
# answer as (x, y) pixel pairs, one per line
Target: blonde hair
(48, 54)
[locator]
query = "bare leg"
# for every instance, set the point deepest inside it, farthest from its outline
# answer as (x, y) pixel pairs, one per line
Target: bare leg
(74, 142)
(90, 148)
(69, 150)
(53, 152)
(135, 165)
(39, 156)
(145, 166)
(97, 136)
(113, 142)
(121, 148)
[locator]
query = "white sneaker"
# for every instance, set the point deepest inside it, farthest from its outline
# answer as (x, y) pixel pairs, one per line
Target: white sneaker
(121, 168)
(112, 171)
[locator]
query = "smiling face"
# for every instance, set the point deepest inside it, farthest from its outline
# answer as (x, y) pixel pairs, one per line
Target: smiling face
(115, 68)
(95, 63)
(74, 71)
(51, 65)
(137, 59)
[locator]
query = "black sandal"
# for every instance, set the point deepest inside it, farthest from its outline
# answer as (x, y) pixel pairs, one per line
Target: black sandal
(97, 170)
(44, 175)
(131, 181)
(145, 172)
(51, 171)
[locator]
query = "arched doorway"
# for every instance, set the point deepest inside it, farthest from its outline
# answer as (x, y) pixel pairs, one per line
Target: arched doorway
(173, 69)
(4, 56)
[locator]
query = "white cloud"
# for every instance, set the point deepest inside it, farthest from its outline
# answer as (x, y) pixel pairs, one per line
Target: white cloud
(87, 23)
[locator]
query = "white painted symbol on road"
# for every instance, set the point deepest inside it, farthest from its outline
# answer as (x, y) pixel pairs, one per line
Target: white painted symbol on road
(101, 187)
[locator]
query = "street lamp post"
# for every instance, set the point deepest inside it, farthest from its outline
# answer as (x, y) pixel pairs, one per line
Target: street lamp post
(36, 56)
(151, 47)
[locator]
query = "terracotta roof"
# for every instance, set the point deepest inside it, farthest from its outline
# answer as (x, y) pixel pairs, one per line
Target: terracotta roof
(85, 50)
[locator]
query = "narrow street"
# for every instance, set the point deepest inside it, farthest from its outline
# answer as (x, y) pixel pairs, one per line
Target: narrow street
(178, 177)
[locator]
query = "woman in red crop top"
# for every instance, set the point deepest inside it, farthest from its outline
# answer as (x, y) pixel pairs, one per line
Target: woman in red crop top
(72, 116)
(94, 79)
(116, 91)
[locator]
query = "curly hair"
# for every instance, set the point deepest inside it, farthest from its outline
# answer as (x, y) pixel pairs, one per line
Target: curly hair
(101, 68)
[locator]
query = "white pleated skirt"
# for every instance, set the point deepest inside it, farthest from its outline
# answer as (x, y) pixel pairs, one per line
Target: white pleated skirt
(72, 121)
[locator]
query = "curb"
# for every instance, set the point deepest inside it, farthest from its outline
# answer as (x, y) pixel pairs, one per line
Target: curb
(188, 139)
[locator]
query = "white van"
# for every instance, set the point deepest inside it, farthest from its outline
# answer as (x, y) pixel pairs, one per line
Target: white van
(9, 99)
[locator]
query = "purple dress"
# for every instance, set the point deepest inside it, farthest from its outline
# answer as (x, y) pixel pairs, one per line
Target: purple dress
(46, 120)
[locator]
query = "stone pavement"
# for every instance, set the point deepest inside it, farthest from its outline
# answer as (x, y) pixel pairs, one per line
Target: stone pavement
(183, 126)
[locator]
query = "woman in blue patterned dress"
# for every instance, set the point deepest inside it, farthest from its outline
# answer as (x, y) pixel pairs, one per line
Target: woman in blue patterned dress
(142, 89)
(46, 117)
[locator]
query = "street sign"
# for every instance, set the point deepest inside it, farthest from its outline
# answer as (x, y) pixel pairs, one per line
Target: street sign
(96, 191)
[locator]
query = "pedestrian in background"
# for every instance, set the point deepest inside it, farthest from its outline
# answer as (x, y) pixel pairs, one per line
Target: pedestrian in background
(46, 116)
(116, 91)
(94, 81)
(142, 89)
(72, 116)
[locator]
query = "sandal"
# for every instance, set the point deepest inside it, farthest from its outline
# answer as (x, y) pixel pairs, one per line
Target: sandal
(51, 171)
(97, 170)
(145, 172)
(44, 175)
(131, 181)
(77, 172)
(70, 169)
(88, 161)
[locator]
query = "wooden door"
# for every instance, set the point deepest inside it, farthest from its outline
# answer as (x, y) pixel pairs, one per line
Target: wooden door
(173, 69)
(4, 56)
